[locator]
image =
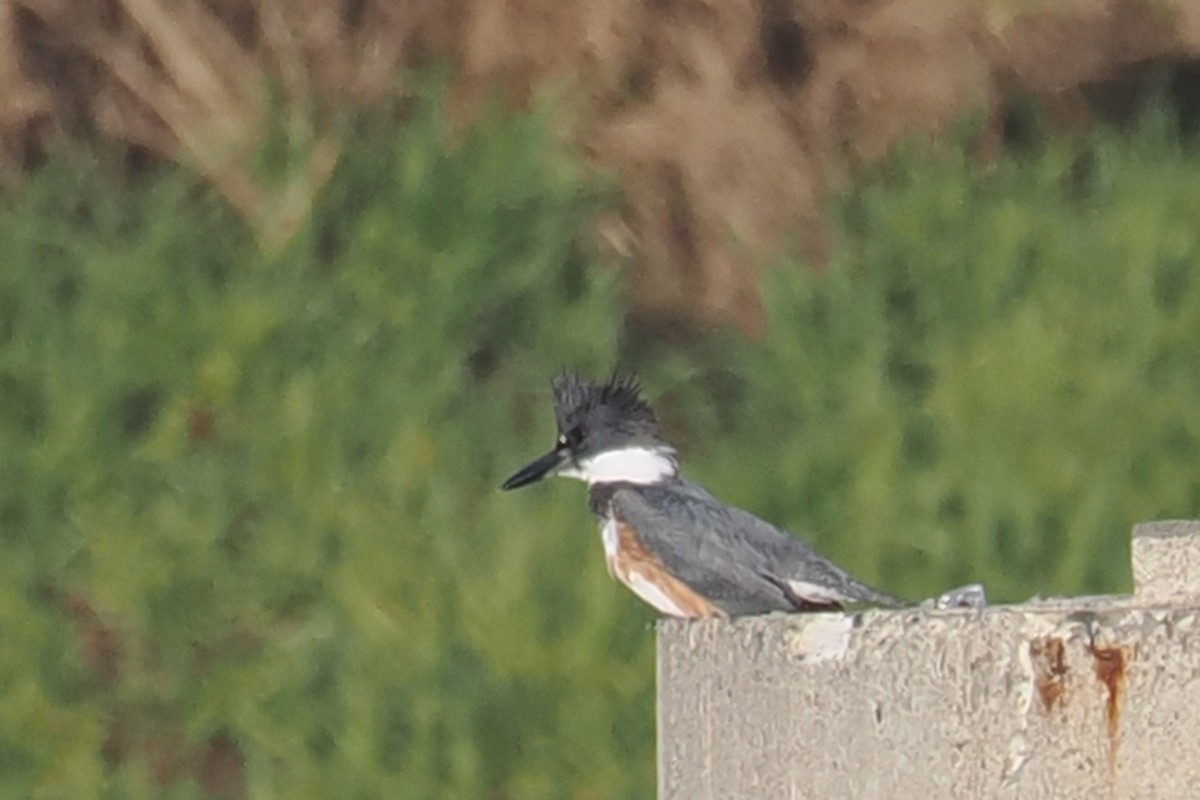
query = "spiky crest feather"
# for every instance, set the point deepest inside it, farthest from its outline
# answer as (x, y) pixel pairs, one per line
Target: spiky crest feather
(618, 400)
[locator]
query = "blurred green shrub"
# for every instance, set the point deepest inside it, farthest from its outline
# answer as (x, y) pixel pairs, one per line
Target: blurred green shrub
(252, 543)
(250, 540)
(995, 378)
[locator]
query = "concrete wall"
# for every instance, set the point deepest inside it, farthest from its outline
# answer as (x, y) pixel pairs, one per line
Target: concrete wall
(1077, 698)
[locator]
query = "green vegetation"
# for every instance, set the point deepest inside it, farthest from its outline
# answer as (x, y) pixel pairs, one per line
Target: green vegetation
(248, 503)
(996, 378)
(275, 482)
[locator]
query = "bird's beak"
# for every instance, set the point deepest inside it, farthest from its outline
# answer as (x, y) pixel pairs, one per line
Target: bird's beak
(543, 467)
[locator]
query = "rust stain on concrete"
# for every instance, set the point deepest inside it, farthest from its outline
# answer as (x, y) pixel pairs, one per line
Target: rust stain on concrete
(1111, 664)
(1050, 670)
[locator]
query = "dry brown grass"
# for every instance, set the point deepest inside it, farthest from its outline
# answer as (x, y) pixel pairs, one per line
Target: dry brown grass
(727, 122)
(188, 81)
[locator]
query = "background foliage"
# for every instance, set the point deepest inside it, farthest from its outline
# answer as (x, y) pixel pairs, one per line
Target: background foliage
(996, 377)
(251, 540)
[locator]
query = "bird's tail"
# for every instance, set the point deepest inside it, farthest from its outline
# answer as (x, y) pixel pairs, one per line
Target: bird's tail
(835, 590)
(868, 595)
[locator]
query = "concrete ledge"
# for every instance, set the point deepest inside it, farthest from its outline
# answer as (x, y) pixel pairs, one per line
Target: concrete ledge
(1166, 561)
(1080, 698)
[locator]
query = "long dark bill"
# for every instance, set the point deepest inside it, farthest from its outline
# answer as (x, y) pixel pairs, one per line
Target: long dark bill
(539, 469)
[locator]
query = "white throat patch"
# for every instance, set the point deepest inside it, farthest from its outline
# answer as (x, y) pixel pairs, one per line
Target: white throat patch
(627, 465)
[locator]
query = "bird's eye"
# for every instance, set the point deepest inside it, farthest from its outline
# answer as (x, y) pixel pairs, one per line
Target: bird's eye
(572, 438)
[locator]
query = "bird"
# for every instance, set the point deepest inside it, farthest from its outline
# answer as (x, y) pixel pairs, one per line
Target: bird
(666, 538)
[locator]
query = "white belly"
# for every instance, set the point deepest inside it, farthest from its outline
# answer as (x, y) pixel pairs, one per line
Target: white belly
(651, 594)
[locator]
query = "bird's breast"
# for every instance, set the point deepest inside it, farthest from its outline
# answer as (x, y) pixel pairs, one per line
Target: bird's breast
(640, 569)
(610, 537)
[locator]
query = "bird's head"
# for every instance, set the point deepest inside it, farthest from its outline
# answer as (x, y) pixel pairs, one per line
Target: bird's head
(607, 432)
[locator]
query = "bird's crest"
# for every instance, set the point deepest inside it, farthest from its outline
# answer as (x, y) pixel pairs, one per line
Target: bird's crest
(616, 403)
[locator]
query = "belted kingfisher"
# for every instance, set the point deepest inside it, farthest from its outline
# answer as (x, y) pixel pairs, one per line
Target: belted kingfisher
(665, 537)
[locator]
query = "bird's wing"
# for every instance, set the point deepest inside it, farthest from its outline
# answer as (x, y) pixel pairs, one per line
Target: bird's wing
(680, 527)
(812, 577)
(690, 530)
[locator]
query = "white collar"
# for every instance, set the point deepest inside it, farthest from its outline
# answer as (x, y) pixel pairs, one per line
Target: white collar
(627, 465)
